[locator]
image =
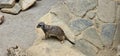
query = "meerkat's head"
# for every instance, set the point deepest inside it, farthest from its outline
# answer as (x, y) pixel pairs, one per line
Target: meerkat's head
(41, 24)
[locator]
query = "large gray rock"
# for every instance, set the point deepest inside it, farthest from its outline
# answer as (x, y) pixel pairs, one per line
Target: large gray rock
(25, 4)
(92, 36)
(15, 10)
(78, 25)
(80, 7)
(107, 33)
(7, 3)
(106, 10)
(86, 48)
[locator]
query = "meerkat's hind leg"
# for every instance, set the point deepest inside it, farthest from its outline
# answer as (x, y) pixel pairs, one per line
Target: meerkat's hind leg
(61, 38)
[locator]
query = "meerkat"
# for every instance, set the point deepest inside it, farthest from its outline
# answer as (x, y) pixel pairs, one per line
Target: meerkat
(51, 30)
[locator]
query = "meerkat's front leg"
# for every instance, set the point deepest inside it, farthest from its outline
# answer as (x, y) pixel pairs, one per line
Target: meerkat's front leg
(46, 36)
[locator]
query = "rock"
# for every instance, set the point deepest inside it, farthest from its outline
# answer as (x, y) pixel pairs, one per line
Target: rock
(107, 52)
(106, 10)
(91, 14)
(78, 25)
(62, 12)
(25, 4)
(7, 3)
(118, 50)
(80, 7)
(16, 51)
(116, 40)
(107, 33)
(1, 19)
(92, 36)
(15, 10)
(86, 48)
(98, 24)
(118, 13)
(52, 48)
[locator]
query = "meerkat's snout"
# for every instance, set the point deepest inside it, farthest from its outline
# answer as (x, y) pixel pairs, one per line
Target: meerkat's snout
(38, 26)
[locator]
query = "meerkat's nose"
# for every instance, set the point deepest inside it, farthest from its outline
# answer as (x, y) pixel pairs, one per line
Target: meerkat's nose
(38, 26)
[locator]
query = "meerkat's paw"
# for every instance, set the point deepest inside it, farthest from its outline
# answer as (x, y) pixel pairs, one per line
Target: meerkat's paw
(62, 42)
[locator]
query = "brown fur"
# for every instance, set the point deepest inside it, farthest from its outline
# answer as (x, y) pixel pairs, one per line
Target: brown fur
(51, 30)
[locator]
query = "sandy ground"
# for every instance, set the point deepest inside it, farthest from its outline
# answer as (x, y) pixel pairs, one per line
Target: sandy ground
(20, 29)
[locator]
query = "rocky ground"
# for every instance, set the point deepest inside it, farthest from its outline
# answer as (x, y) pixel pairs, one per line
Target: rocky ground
(20, 29)
(92, 25)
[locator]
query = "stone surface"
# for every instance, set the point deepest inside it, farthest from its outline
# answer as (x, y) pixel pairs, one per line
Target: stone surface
(86, 48)
(118, 13)
(107, 33)
(52, 48)
(118, 50)
(15, 10)
(1, 19)
(16, 51)
(80, 7)
(62, 12)
(7, 3)
(78, 25)
(92, 36)
(91, 14)
(106, 10)
(25, 4)
(98, 24)
(116, 40)
(107, 52)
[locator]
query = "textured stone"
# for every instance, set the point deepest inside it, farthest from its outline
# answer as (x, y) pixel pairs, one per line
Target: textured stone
(62, 12)
(15, 10)
(16, 51)
(25, 4)
(107, 33)
(80, 7)
(106, 10)
(118, 50)
(1, 19)
(52, 48)
(86, 48)
(78, 25)
(91, 14)
(92, 36)
(97, 23)
(7, 3)
(116, 40)
(107, 52)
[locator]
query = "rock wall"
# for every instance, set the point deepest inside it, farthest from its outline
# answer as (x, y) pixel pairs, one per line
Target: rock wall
(92, 24)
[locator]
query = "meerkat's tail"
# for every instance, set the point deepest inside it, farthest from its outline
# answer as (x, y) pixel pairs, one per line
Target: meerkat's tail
(69, 40)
